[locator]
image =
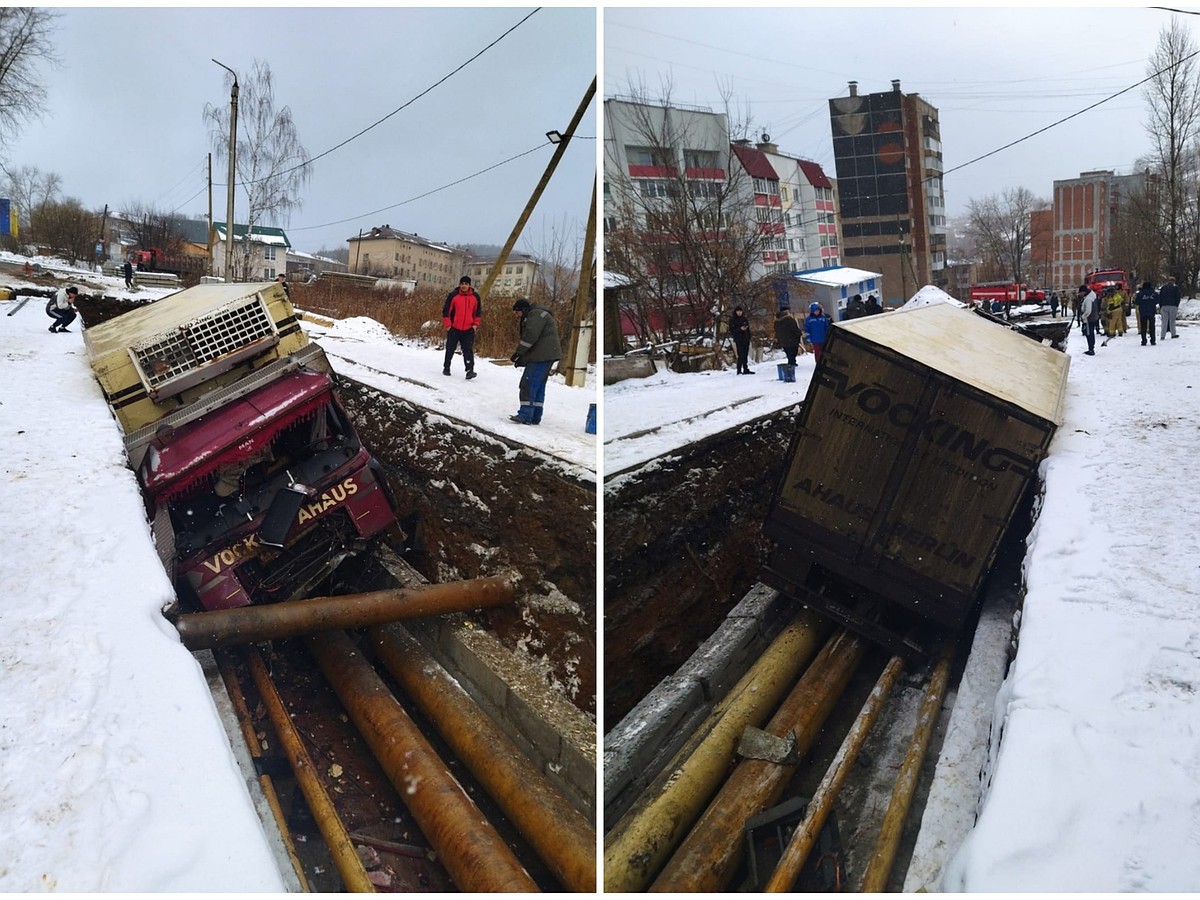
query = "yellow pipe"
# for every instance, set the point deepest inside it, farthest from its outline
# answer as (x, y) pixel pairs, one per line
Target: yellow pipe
(474, 855)
(558, 833)
(709, 856)
(637, 846)
(242, 713)
(248, 624)
(805, 836)
(887, 844)
(345, 858)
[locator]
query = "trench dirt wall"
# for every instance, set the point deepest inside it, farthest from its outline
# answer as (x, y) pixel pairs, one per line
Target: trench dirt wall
(474, 505)
(682, 544)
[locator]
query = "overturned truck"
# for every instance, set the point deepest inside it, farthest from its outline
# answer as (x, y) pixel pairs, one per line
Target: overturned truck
(921, 432)
(255, 482)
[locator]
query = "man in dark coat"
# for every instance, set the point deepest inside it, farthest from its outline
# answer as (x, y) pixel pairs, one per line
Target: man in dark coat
(873, 306)
(739, 330)
(537, 352)
(1146, 301)
(788, 334)
(461, 314)
(128, 274)
(1168, 302)
(856, 309)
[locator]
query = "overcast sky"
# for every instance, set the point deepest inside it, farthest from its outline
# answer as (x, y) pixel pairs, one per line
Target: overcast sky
(125, 123)
(995, 75)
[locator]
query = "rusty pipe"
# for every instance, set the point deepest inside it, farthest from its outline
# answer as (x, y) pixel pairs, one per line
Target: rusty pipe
(345, 857)
(558, 833)
(247, 624)
(638, 845)
(708, 858)
(242, 713)
(801, 842)
(474, 855)
(888, 842)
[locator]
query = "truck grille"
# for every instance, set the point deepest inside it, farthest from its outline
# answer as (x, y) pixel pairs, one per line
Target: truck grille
(228, 335)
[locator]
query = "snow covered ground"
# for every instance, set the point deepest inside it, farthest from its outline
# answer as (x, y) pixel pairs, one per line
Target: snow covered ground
(1091, 768)
(115, 771)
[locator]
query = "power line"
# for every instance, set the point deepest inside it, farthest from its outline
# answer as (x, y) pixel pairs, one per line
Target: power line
(1068, 118)
(404, 105)
(427, 193)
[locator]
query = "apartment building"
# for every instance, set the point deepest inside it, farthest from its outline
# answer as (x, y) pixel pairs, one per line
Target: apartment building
(516, 279)
(386, 252)
(888, 158)
(808, 204)
(1086, 211)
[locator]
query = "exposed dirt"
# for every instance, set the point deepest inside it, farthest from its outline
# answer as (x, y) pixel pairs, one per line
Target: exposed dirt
(475, 505)
(678, 532)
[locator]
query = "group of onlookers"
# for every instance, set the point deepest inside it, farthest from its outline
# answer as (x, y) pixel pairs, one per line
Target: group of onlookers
(1107, 312)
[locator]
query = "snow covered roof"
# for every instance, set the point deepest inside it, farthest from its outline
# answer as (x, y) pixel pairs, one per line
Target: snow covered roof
(259, 234)
(835, 276)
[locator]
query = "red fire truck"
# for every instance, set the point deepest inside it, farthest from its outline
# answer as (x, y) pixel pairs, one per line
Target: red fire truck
(991, 293)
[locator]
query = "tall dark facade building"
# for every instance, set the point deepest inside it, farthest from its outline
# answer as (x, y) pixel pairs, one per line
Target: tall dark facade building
(888, 156)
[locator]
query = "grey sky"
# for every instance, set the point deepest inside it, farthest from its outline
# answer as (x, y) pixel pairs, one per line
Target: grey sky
(995, 75)
(125, 114)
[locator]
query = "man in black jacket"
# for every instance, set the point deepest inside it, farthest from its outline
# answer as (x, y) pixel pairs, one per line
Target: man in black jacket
(1168, 303)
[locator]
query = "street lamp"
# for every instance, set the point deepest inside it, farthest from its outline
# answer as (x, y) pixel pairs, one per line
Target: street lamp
(554, 137)
(233, 98)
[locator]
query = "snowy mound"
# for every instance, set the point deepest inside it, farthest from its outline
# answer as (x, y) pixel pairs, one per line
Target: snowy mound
(929, 295)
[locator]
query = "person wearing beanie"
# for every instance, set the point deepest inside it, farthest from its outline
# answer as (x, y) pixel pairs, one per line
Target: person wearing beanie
(461, 315)
(536, 353)
(739, 330)
(61, 308)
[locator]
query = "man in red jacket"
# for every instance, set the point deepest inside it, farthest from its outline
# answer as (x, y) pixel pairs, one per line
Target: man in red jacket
(461, 314)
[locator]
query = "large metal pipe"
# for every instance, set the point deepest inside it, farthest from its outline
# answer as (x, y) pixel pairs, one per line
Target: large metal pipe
(708, 858)
(888, 842)
(242, 713)
(247, 624)
(474, 855)
(345, 857)
(637, 846)
(800, 844)
(558, 833)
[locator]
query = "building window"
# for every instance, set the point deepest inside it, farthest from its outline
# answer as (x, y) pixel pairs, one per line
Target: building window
(269, 253)
(645, 156)
(701, 159)
(651, 189)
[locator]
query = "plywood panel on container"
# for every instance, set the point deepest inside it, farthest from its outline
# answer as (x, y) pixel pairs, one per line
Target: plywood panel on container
(919, 434)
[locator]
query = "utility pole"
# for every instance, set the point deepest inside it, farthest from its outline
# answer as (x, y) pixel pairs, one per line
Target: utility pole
(233, 99)
(581, 333)
(210, 259)
(100, 240)
(561, 140)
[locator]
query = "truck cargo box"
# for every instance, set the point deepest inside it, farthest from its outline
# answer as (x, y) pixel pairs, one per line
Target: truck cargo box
(920, 433)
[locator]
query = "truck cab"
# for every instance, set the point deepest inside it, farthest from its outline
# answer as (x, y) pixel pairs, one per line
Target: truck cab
(254, 479)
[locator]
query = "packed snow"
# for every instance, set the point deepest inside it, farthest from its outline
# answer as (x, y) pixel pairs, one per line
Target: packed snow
(1085, 773)
(116, 772)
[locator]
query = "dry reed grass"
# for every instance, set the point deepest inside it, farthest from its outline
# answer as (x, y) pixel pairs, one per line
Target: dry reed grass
(418, 316)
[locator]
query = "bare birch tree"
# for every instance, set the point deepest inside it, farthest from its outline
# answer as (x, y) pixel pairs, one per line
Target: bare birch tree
(1173, 109)
(1003, 231)
(680, 224)
(31, 190)
(25, 43)
(272, 165)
